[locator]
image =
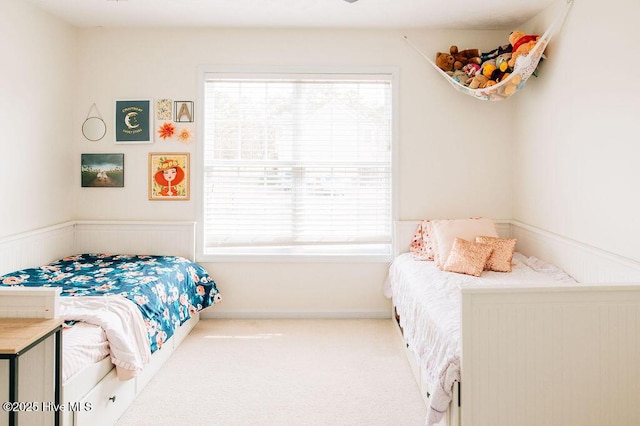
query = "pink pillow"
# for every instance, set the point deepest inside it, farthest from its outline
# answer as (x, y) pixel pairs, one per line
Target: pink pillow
(422, 246)
(446, 231)
(467, 257)
(503, 248)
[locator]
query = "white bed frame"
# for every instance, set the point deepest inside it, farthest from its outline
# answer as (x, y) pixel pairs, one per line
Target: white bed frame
(96, 385)
(552, 356)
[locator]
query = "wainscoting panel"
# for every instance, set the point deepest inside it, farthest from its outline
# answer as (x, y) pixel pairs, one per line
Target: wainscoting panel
(585, 263)
(37, 247)
(168, 238)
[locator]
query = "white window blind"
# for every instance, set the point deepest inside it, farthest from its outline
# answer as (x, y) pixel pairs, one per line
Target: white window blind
(297, 163)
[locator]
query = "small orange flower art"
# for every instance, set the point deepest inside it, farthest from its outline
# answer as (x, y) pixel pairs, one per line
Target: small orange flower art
(166, 130)
(184, 135)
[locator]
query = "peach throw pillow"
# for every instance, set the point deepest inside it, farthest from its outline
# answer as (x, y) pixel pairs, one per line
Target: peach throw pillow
(467, 257)
(503, 248)
(445, 231)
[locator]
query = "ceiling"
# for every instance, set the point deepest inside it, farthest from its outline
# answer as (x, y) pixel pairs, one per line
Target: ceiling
(454, 14)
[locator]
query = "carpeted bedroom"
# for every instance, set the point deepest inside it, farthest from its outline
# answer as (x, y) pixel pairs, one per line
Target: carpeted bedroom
(284, 372)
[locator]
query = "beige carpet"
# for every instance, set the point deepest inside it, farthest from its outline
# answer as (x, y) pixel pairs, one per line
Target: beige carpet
(283, 372)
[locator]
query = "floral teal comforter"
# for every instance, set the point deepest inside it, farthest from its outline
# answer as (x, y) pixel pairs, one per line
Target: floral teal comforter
(168, 290)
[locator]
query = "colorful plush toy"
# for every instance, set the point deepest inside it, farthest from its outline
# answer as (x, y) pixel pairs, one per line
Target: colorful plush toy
(456, 59)
(502, 62)
(511, 85)
(488, 67)
(521, 45)
(479, 81)
(482, 70)
(459, 76)
(471, 69)
(493, 54)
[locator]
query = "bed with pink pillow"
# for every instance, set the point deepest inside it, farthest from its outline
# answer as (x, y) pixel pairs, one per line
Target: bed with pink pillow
(426, 283)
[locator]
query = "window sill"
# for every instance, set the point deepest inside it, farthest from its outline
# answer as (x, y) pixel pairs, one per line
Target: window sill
(294, 258)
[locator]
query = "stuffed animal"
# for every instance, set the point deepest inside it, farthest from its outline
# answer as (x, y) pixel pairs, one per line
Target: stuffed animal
(499, 76)
(502, 62)
(487, 75)
(521, 45)
(488, 67)
(456, 59)
(467, 56)
(493, 54)
(445, 61)
(458, 75)
(479, 81)
(511, 85)
(471, 69)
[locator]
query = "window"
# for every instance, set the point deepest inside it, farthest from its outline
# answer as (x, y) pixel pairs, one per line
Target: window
(297, 163)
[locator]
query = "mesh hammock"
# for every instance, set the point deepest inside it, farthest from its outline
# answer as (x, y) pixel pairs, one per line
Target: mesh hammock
(523, 69)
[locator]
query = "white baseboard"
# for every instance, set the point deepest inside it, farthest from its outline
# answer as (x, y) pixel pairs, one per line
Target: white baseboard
(295, 315)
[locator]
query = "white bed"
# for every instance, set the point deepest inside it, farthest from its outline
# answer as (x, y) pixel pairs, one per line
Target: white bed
(93, 384)
(528, 347)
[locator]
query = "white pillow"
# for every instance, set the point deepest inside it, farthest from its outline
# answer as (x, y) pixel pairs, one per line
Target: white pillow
(446, 231)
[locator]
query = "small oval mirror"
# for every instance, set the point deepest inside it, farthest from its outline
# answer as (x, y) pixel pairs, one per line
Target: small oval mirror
(94, 128)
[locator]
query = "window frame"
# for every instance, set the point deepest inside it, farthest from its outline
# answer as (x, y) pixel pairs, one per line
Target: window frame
(198, 176)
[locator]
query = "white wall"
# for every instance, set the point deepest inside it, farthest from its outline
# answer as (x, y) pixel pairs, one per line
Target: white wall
(455, 150)
(576, 149)
(453, 159)
(562, 154)
(37, 99)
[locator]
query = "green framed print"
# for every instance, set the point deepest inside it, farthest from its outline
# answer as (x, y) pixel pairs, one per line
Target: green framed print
(102, 170)
(133, 122)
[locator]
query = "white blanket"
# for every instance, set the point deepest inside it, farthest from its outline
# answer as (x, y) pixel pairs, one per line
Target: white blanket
(123, 325)
(83, 344)
(428, 301)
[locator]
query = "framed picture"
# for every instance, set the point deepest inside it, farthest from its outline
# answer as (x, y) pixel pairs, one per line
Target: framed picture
(183, 111)
(163, 110)
(169, 176)
(133, 121)
(102, 170)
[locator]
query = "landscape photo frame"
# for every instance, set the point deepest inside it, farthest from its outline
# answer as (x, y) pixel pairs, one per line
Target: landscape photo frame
(102, 170)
